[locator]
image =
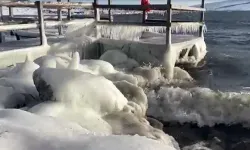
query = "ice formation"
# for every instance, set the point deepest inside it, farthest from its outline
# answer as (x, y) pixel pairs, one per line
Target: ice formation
(169, 62)
(103, 97)
(133, 32)
(18, 81)
(23, 130)
(97, 104)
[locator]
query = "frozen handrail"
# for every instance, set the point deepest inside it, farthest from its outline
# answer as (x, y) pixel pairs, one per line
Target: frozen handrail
(144, 24)
(152, 7)
(49, 5)
(40, 25)
(18, 27)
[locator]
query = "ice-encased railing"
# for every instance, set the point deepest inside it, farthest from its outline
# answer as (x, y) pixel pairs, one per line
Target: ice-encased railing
(134, 32)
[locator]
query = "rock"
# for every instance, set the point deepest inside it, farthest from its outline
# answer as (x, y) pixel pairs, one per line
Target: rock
(78, 89)
(155, 123)
(151, 74)
(115, 57)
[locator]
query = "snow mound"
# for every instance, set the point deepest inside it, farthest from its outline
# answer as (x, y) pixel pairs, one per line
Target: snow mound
(23, 130)
(52, 61)
(17, 83)
(115, 57)
(82, 90)
(98, 67)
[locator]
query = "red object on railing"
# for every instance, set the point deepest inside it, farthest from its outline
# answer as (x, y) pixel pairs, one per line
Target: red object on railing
(145, 3)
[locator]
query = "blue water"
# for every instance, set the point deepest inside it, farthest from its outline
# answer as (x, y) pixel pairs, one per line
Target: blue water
(228, 42)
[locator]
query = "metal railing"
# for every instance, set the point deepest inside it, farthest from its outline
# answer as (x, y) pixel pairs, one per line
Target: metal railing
(169, 7)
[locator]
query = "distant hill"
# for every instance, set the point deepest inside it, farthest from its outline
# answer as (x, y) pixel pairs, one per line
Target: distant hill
(229, 5)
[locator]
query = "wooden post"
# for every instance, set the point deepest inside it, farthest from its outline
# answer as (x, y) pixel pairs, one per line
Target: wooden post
(1, 13)
(169, 21)
(43, 39)
(10, 12)
(59, 17)
(1, 20)
(144, 16)
(110, 15)
(202, 18)
(2, 37)
(96, 11)
(69, 13)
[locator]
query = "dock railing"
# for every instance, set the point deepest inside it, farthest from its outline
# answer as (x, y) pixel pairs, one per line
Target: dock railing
(169, 8)
(168, 22)
(40, 25)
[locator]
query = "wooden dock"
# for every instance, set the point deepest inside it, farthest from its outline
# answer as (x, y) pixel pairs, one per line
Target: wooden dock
(169, 8)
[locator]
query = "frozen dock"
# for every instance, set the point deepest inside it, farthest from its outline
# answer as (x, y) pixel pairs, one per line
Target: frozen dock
(152, 37)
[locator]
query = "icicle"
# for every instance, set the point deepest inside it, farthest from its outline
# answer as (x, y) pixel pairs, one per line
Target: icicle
(184, 28)
(120, 32)
(28, 58)
(74, 64)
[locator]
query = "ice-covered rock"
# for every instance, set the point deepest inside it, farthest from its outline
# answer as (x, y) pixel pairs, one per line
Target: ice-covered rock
(135, 95)
(121, 76)
(20, 77)
(115, 57)
(98, 67)
(53, 61)
(87, 90)
(23, 130)
(181, 74)
(151, 74)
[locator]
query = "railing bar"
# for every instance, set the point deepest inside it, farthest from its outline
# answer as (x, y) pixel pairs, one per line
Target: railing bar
(168, 24)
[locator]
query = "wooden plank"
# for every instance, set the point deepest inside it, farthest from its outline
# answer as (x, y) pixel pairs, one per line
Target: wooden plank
(49, 5)
(186, 8)
(18, 27)
(133, 7)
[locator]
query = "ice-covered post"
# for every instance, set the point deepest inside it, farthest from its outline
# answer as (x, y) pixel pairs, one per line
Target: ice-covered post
(69, 13)
(202, 18)
(168, 25)
(110, 15)
(59, 17)
(10, 12)
(96, 11)
(43, 39)
(1, 19)
(144, 15)
(144, 4)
